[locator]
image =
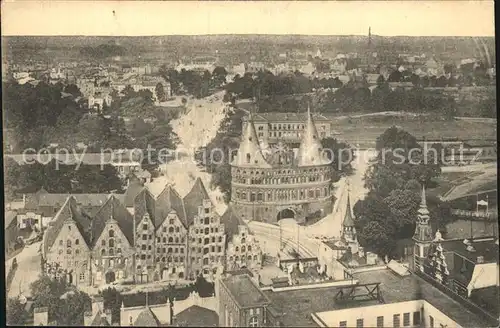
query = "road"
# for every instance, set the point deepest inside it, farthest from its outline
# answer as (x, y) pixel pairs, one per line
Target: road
(195, 129)
(28, 270)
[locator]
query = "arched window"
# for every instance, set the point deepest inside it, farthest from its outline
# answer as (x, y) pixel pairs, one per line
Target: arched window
(249, 257)
(111, 252)
(255, 257)
(111, 233)
(249, 248)
(77, 242)
(243, 249)
(103, 252)
(176, 240)
(103, 242)
(237, 248)
(111, 243)
(170, 239)
(254, 322)
(163, 259)
(236, 258)
(171, 229)
(164, 239)
(177, 229)
(169, 250)
(118, 251)
(242, 241)
(68, 243)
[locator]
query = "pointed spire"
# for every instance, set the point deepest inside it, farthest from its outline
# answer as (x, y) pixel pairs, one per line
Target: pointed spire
(250, 153)
(423, 211)
(310, 147)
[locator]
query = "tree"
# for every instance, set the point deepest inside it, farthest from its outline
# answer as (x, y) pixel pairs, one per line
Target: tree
(160, 92)
(72, 89)
(16, 314)
(219, 75)
(113, 301)
(340, 154)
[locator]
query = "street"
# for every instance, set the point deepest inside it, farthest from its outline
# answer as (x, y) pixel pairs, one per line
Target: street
(27, 271)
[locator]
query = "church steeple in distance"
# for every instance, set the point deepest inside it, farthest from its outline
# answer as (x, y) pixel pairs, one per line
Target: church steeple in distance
(423, 230)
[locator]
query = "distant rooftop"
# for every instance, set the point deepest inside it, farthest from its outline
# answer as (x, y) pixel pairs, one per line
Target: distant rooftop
(244, 291)
(288, 117)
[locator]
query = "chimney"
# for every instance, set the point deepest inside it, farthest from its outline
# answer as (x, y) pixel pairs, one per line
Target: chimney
(480, 259)
(41, 316)
(109, 316)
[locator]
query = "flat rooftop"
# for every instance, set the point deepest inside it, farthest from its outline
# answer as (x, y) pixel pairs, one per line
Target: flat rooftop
(298, 305)
(244, 291)
(486, 248)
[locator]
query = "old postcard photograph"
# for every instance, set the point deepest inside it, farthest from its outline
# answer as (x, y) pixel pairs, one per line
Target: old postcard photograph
(250, 164)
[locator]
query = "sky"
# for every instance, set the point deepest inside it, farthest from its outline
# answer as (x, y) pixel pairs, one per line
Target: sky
(142, 18)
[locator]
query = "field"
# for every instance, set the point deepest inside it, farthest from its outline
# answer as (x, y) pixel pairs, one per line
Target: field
(365, 130)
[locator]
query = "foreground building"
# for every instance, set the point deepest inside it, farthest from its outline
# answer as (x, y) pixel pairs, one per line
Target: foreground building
(140, 238)
(286, 183)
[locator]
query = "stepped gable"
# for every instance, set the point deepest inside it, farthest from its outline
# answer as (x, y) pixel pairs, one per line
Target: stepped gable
(147, 319)
(231, 222)
(144, 203)
(194, 199)
(134, 188)
(69, 211)
(168, 200)
(113, 209)
(310, 149)
(249, 153)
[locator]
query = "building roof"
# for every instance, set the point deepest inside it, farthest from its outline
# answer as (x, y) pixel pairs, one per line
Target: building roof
(100, 321)
(249, 153)
(113, 209)
(147, 319)
(9, 218)
(244, 291)
(309, 153)
(144, 203)
(231, 222)
(69, 211)
(169, 200)
(484, 247)
(134, 188)
(194, 199)
(197, 316)
(297, 305)
(287, 117)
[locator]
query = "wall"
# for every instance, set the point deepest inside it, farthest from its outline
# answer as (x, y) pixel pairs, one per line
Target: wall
(369, 315)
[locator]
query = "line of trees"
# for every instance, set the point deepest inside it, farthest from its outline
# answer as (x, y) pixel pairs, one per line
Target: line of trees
(388, 213)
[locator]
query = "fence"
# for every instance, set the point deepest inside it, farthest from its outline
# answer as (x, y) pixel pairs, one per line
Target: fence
(491, 215)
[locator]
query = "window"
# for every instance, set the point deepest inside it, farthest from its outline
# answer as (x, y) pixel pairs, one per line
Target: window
(144, 237)
(68, 251)
(380, 322)
(359, 323)
(416, 318)
(68, 243)
(111, 243)
(431, 321)
(103, 252)
(164, 239)
(249, 248)
(111, 233)
(111, 252)
(171, 221)
(145, 226)
(343, 324)
(406, 319)
(60, 242)
(77, 242)
(396, 321)
(77, 251)
(182, 250)
(164, 229)
(82, 276)
(143, 247)
(243, 248)
(118, 251)
(254, 322)
(171, 229)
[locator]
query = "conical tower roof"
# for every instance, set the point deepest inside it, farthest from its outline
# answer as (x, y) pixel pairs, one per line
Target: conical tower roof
(249, 153)
(310, 150)
(348, 220)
